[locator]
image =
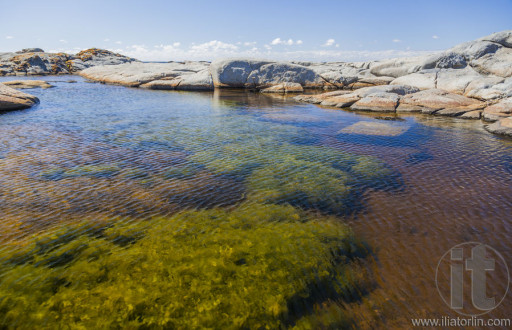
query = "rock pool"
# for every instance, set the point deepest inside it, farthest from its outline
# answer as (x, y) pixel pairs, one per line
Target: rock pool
(126, 207)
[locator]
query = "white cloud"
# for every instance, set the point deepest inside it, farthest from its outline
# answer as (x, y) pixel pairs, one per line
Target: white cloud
(176, 44)
(63, 41)
(9, 37)
(397, 40)
(218, 49)
(289, 42)
(214, 46)
(435, 37)
(119, 42)
(329, 42)
(106, 39)
(249, 44)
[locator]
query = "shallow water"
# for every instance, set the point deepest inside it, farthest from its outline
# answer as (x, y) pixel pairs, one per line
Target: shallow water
(91, 152)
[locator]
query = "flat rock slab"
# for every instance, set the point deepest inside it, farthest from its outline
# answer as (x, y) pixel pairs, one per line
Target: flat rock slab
(27, 84)
(381, 102)
(373, 128)
(11, 99)
(175, 75)
(434, 100)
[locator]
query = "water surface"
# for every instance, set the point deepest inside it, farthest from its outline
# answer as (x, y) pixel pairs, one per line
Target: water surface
(93, 153)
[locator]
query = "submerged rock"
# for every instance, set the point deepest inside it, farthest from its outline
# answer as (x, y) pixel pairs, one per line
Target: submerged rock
(11, 99)
(27, 84)
(373, 128)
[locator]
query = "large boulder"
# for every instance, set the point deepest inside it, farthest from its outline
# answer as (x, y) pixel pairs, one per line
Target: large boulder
(251, 73)
(421, 80)
(11, 99)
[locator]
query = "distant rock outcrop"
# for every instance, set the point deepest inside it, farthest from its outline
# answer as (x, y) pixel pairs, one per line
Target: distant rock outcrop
(34, 61)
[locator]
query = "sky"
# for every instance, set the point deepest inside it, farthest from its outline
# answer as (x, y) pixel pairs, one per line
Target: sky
(319, 30)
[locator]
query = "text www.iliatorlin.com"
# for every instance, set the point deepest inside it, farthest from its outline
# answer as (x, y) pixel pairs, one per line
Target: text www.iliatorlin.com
(460, 322)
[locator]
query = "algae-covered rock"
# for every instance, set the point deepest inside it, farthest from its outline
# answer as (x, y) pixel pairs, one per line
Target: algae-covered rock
(255, 266)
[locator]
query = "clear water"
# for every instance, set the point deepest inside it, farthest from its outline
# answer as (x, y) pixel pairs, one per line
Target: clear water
(93, 153)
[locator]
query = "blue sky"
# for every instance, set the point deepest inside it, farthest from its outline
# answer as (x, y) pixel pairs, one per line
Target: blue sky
(204, 30)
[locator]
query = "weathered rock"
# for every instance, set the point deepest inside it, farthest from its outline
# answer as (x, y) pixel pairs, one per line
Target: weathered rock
(187, 75)
(456, 80)
(420, 80)
(11, 99)
(498, 111)
(249, 73)
(377, 102)
(284, 88)
(502, 127)
(27, 84)
(373, 128)
(194, 81)
(395, 89)
(434, 100)
(498, 64)
(318, 98)
(503, 38)
(472, 50)
(483, 88)
(397, 67)
(475, 114)
(341, 101)
(444, 60)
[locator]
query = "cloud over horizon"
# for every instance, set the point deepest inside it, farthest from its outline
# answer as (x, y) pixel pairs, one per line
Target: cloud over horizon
(215, 49)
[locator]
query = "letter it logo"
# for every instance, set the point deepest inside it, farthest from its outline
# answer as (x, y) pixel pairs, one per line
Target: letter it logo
(472, 278)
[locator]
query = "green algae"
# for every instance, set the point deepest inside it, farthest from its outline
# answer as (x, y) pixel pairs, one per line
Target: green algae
(249, 267)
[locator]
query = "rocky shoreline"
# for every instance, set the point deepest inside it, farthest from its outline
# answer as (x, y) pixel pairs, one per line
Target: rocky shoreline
(472, 80)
